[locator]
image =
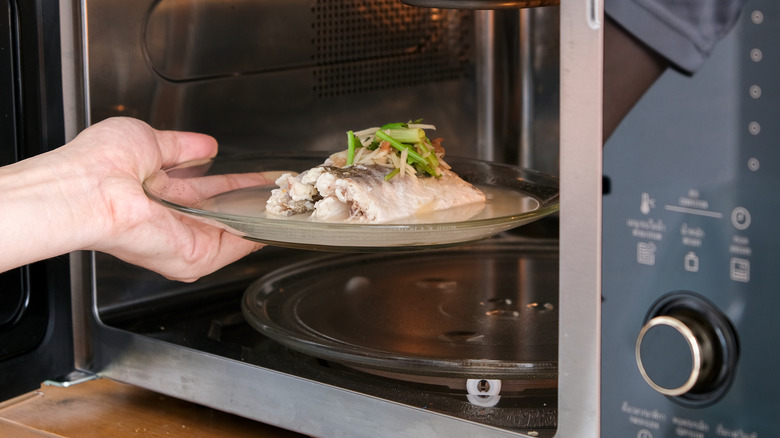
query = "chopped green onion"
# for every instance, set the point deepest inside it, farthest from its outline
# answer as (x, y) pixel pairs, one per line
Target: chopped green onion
(428, 154)
(406, 135)
(390, 175)
(350, 148)
(409, 137)
(414, 156)
(394, 126)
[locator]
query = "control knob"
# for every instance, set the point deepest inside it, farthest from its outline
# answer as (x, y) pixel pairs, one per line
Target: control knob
(687, 349)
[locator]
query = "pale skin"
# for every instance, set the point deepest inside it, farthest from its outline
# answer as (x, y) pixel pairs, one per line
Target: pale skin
(87, 195)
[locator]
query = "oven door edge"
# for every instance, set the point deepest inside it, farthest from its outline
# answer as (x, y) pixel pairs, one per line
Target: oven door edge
(580, 227)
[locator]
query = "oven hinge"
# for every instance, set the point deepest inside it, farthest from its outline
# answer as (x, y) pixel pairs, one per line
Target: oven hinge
(72, 378)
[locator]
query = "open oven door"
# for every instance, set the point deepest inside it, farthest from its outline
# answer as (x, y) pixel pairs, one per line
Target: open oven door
(36, 340)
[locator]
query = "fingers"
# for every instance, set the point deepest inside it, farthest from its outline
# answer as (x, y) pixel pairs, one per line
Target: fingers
(232, 248)
(174, 146)
(147, 234)
(177, 146)
(226, 249)
(208, 186)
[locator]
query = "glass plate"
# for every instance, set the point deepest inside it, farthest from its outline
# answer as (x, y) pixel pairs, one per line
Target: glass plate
(231, 192)
(488, 310)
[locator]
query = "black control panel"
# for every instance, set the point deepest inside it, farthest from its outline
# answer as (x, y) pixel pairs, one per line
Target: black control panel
(690, 303)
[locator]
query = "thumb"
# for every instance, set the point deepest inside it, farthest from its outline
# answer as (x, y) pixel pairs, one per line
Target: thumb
(178, 146)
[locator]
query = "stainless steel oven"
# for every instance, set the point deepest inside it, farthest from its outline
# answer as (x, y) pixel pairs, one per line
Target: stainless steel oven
(657, 268)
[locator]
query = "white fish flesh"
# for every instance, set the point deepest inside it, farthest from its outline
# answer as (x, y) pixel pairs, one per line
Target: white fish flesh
(361, 194)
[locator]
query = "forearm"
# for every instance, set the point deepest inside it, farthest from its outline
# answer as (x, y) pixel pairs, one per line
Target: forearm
(630, 68)
(88, 195)
(43, 210)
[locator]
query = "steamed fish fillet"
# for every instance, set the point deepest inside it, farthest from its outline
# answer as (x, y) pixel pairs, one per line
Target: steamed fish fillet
(361, 194)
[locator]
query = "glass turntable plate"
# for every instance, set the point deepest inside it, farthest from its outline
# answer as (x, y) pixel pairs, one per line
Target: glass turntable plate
(231, 192)
(486, 310)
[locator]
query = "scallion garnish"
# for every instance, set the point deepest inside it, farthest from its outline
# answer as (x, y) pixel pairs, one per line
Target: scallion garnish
(350, 148)
(406, 135)
(408, 142)
(394, 126)
(414, 156)
(390, 175)
(428, 154)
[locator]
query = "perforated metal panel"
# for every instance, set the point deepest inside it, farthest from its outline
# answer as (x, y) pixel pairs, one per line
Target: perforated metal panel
(367, 46)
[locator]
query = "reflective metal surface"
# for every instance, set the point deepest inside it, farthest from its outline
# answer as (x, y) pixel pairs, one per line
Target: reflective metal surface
(244, 70)
(581, 179)
(518, 72)
(482, 4)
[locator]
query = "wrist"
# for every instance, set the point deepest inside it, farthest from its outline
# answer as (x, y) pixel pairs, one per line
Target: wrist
(43, 213)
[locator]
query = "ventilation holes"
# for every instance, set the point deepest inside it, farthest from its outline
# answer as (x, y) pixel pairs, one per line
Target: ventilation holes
(368, 45)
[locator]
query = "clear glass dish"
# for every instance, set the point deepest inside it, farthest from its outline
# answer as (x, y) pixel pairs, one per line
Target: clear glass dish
(231, 192)
(488, 310)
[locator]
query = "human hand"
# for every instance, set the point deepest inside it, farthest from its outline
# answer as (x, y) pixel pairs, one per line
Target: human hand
(96, 200)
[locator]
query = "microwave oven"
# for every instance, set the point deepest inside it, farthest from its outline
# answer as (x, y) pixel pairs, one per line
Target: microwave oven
(644, 308)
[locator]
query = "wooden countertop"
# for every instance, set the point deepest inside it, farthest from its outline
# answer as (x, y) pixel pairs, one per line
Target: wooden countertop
(105, 408)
